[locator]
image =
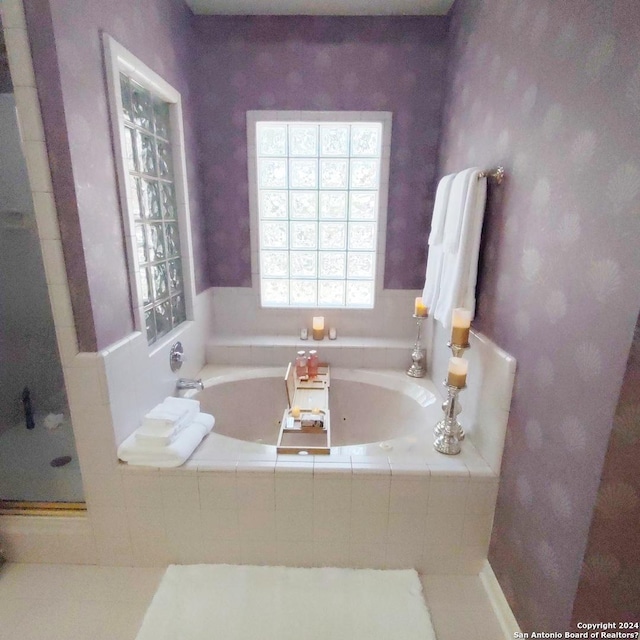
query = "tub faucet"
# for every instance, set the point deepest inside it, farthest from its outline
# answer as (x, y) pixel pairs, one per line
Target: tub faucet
(188, 383)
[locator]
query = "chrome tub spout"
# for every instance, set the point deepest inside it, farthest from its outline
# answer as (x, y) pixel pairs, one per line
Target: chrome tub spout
(188, 383)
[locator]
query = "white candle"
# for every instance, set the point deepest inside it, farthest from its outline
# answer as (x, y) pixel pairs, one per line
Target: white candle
(420, 308)
(457, 373)
(461, 321)
(318, 327)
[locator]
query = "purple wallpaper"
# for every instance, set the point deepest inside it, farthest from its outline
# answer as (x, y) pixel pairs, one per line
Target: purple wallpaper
(70, 79)
(552, 91)
(392, 64)
(609, 587)
(319, 63)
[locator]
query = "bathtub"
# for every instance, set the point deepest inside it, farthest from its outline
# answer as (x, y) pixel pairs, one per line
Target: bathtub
(383, 498)
(368, 408)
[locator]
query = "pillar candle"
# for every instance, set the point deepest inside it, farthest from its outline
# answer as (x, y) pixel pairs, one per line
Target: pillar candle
(461, 321)
(457, 373)
(420, 309)
(318, 327)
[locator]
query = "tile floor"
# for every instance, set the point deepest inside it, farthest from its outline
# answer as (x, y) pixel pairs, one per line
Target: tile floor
(71, 602)
(25, 469)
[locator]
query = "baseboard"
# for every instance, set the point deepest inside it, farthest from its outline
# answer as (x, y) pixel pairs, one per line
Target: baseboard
(499, 604)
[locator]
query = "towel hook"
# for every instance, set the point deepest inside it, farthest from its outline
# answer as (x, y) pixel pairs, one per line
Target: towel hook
(497, 174)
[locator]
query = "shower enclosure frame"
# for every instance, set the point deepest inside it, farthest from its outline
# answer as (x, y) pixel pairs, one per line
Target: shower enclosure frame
(46, 222)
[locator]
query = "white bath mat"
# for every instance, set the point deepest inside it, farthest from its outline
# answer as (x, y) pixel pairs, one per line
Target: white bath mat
(225, 602)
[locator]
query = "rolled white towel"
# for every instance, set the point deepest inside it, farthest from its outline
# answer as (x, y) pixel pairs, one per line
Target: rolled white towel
(172, 455)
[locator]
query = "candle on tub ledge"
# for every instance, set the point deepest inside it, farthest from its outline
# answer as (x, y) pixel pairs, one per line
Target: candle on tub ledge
(420, 309)
(457, 372)
(318, 327)
(461, 322)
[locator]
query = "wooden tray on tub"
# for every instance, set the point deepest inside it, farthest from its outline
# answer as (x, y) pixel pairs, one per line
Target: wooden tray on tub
(306, 422)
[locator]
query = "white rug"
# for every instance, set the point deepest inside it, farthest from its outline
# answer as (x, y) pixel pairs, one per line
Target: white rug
(225, 602)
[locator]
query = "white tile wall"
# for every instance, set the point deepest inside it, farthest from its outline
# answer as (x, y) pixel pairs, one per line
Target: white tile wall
(487, 399)
(236, 312)
(319, 516)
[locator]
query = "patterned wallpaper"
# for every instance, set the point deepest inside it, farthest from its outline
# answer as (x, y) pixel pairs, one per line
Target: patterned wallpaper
(75, 112)
(552, 91)
(319, 63)
(233, 65)
(609, 587)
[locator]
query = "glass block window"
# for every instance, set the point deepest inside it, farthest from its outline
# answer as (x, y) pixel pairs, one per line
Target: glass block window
(151, 197)
(318, 194)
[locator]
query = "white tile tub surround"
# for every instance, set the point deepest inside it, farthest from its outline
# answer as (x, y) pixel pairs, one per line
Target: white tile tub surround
(138, 378)
(312, 513)
(236, 313)
(243, 333)
(486, 401)
(363, 506)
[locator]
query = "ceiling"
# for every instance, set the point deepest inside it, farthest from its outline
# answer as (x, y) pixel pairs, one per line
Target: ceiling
(321, 7)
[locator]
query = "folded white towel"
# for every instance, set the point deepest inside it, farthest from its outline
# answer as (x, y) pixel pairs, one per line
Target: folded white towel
(153, 441)
(170, 416)
(186, 403)
(172, 455)
(435, 256)
(463, 229)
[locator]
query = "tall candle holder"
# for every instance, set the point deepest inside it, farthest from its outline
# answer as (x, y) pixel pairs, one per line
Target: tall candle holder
(458, 351)
(418, 367)
(448, 431)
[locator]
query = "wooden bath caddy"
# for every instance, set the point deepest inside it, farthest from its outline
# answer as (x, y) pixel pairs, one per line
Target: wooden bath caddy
(310, 430)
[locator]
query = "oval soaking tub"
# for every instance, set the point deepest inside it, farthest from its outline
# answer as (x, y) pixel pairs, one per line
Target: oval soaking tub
(366, 406)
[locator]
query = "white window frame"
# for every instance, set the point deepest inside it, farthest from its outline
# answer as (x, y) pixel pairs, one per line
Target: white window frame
(120, 60)
(382, 117)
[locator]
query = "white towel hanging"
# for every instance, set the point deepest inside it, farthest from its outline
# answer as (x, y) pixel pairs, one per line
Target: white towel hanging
(463, 228)
(435, 256)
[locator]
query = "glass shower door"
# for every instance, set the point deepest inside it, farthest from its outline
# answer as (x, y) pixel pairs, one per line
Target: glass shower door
(38, 460)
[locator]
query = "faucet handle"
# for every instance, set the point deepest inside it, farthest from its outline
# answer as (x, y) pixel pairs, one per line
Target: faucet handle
(176, 356)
